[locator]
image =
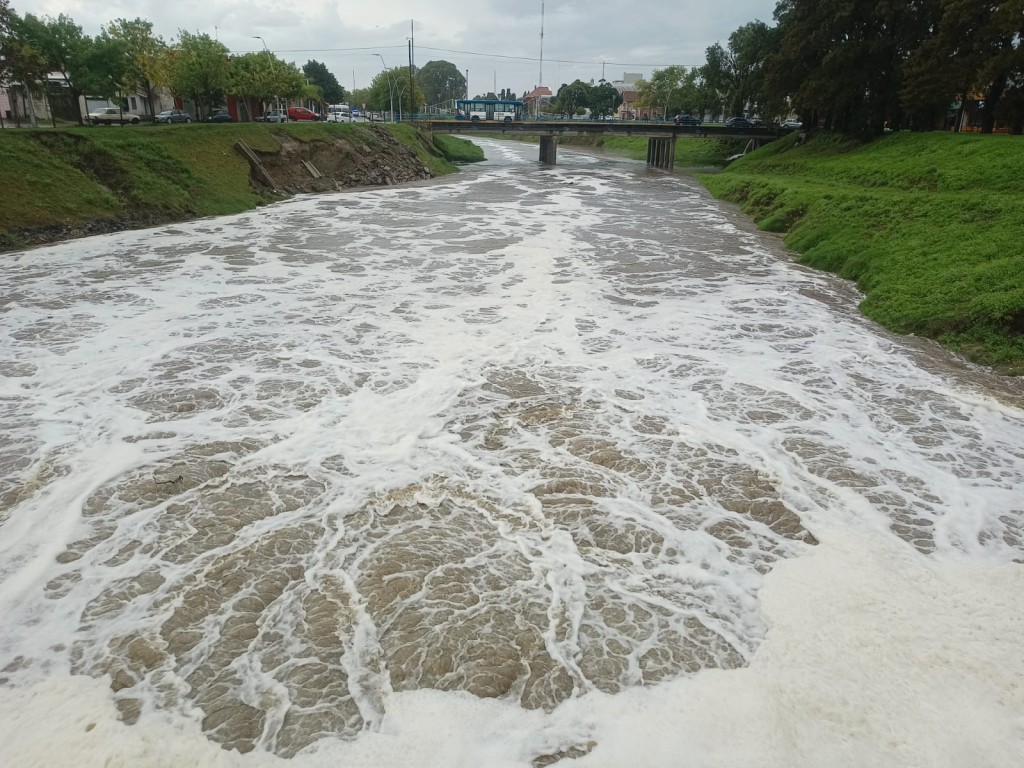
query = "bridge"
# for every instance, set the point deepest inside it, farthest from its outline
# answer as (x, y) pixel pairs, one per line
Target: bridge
(661, 137)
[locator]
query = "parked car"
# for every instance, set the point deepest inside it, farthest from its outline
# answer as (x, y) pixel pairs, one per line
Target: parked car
(301, 113)
(219, 116)
(274, 116)
(111, 116)
(173, 116)
(355, 112)
(687, 120)
(790, 125)
(738, 122)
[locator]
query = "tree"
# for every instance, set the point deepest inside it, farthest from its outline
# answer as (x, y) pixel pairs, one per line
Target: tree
(145, 56)
(841, 64)
(571, 98)
(200, 69)
(108, 64)
(717, 74)
(7, 17)
(698, 99)
(20, 61)
(66, 50)
(749, 47)
(976, 51)
(360, 97)
(330, 88)
(441, 82)
(664, 90)
(392, 87)
(604, 99)
(264, 77)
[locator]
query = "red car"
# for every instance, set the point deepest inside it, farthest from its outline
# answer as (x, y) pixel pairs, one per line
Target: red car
(301, 113)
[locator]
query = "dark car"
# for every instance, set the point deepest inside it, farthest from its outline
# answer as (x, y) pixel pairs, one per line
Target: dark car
(219, 116)
(738, 122)
(687, 120)
(173, 116)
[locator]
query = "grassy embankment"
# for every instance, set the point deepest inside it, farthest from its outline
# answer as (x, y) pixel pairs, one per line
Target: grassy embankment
(68, 178)
(931, 226)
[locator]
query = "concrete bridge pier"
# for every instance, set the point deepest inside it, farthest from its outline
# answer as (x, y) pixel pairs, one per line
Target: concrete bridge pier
(548, 149)
(661, 152)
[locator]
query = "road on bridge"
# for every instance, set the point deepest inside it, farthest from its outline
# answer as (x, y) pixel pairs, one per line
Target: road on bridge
(594, 127)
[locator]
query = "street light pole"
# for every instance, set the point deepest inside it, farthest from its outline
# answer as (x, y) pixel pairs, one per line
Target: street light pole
(277, 99)
(401, 90)
(391, 93)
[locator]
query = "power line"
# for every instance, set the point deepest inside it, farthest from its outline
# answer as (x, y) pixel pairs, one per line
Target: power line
(559, 61)
(329, 50)
(593, 62)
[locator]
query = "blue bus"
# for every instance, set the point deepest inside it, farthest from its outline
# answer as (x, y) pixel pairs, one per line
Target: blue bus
(488, 109)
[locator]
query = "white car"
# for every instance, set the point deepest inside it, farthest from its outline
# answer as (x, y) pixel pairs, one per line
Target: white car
(111, 116)
(274, 116)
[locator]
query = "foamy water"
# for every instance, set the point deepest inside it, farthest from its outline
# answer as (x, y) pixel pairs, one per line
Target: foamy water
(523, 465)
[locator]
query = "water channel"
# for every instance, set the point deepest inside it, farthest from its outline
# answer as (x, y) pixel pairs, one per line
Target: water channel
(501, 469)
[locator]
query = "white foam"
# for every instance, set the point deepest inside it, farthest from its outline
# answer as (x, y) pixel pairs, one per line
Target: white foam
(875, 656)
(546, 363)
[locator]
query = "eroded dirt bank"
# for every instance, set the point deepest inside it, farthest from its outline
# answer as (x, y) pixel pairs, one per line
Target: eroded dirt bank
(375, 160)
(65, 184)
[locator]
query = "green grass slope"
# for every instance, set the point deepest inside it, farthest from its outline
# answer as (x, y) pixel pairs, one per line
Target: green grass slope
(68, 178)
(931, 226)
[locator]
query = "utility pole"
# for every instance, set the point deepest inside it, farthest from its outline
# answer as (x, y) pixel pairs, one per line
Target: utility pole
(540, 75)
(412, 107)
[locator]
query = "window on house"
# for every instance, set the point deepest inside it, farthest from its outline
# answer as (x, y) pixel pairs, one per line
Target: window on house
(134, 106)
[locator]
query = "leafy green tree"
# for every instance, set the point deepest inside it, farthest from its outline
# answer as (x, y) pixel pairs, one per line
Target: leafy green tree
(7, 19)
(201, 70)
(841, 64)
(664, 90)
(67, 51)
(312, 95)
(108, 64)
(264, 77)
(976, 50)
(441, 82)
(360, 97)
(604, 99)
(697, 98)
(717, 77)
(572, 98)
(749, 47)
(145, 54)
(21, 61)
(392, 86)
(319, 75)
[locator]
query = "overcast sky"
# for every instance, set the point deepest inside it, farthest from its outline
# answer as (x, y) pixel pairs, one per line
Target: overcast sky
(498, 42)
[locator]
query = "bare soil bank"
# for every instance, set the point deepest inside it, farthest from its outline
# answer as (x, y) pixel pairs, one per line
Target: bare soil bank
(326, 166)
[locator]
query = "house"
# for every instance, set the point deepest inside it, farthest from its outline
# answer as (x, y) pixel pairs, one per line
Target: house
(627, 88)
(536, 99)
(19, 105)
